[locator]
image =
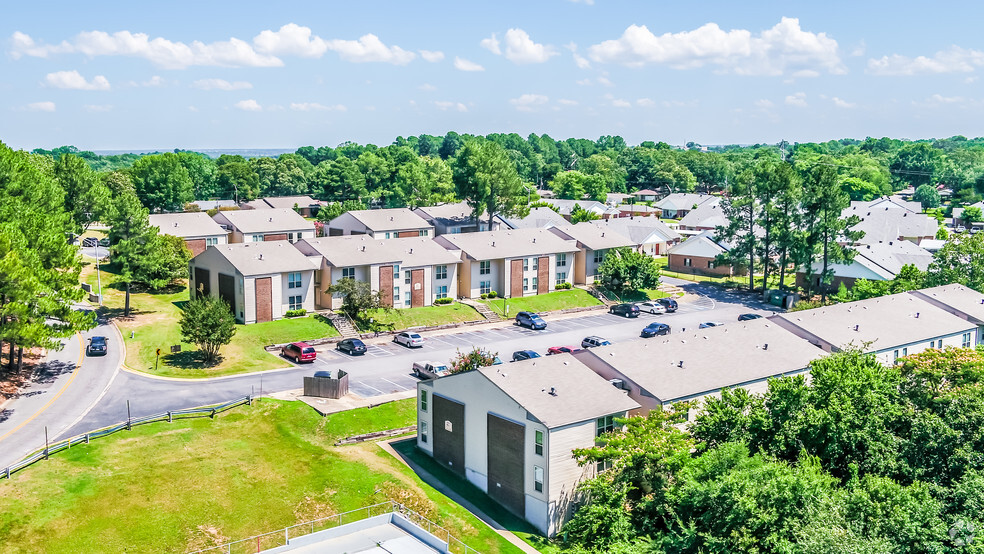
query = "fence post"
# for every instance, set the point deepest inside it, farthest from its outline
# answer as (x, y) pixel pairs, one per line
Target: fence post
(45, 442)
(128, 427)
(87, 438)
(7, 472)
(169, 416)
(286, 536)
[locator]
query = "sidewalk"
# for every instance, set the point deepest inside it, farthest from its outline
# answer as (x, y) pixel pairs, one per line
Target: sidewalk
(325, 406)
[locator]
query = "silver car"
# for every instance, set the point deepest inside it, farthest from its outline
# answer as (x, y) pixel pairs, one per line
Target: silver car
(410, 340)
(651, 307)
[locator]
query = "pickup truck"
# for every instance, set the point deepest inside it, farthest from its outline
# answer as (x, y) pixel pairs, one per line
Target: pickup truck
(430, 370)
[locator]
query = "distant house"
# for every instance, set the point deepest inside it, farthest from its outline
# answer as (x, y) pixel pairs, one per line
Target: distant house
(205, 205)
(259, 280)
(959, 300)
(593, 243)
(538, 218)
(510, 431)
(410, 272)
(638, 210)
(708, 216)
(512, 263)
(880, 261)
(888, 222)
(597, 208)
(697, 255)
(388, 223)
(452, 218)
(959, 221)
(264, 225)
(616, 199)
(304, 205)
(197, 229)
(679, 204)
(887, 202)
(645, 195)
(649, 235)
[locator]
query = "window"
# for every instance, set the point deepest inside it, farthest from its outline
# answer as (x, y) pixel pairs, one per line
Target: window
(295, 302)
(441, 272)
(536, 264)
(300, 235)
(562, 260)
(538, 478)
(561, 277)
(406, 298)
(710, 264)
(456, 230)
(423, 401)
(526, 284)
(538, 442)
(895, 356)
(422, 233)
(348, 273)
(406, 277)
(290, 238)
(965, 342)
(534, 284)
(485, 268)
(396, 270)
(687, 262)
(294, 280)
(442, 291)
(485, 287)
(396, 294)
(605, 425)
(211, 241)
(526, 264)
(423, 431)
(905, 351)
(387, 235)
(599, 256)
(257, 238)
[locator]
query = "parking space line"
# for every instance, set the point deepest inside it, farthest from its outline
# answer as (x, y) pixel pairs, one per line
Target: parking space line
(394, 384)
(364, 384)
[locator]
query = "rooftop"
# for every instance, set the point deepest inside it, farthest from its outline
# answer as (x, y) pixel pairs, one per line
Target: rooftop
(186, 225)
(703, 245)
(459, 212)
(538, 218)
(558, 390)
(956, 297)
(884, 223)
(389, 219)
(640, 229)
(708, 214)
(262, 258)
(683, 200)
(594, 237)
(284, 202)
(490, 245)
(565, 206)
(887, 258)
(358, 250)
(267, 221)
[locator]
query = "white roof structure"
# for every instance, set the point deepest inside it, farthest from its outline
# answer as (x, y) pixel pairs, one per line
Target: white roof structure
(262, 258)
(390, 219)
(565, 206)
(272, 220)
(683, 201)
(591, 236)
(492, 245)
(538, 218)
(957, 299)
(703, 245)
(289, 202)
(641, 230)
(883, 260)
(885, 223)
(356, 250)
(187, 225)
(709, 214)
(890, 202)
(456, 213)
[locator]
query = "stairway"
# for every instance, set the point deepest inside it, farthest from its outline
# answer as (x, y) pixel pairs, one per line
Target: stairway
(343, 325)
(483, 309)
(599, 295)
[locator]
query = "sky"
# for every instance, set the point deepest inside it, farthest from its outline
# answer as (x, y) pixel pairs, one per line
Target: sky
(209, 74)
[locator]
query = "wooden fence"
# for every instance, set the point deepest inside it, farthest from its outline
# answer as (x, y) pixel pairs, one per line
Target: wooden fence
(327, 387)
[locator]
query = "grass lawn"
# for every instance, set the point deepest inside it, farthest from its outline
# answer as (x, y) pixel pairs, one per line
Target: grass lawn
(154, 324)
(423, 316)
(559, 300)
(176, 487)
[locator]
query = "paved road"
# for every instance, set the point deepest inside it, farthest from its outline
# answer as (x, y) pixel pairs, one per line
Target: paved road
(386, 368)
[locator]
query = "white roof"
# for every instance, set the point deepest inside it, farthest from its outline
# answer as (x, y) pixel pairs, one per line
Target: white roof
(261, 258)
(283, 202)
(492, 245)
(458, 212)
(356, 250)
(708, 214)
(565, 206)
(538, 218)
(955, 298)
(703, 245)
(641, 230)
(890, 202)
(885, 223)
(683, 201)
(187, 225)
(887, 258)
(593, 237)
(390, 219)
(266, 221)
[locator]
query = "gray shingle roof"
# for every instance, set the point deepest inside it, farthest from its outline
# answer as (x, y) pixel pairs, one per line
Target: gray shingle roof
(957, 299)
(593, 237)
(459, 212)
(359, 250)
(886, 223)
(703, 245)
(261, 258)
(709, 214)
(887, 258)
(284, 202)
(580, 394)
(187, 225)
(565, 206)
(639, 229)
(538, 218)
(491, 245)
(391, 219)
(267, 221)
(682, 201)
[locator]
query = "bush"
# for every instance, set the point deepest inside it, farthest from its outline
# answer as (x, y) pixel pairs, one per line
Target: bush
(563, 286)
(295, 313)
(493, 294)
(442, 301)
(484, 296)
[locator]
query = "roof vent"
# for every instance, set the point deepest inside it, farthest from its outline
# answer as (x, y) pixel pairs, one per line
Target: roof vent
(680, 364)
(363, 248)
(493, 244)
(411, 250)
(765, 346)
(534, 240)
(602, 233)
(391, 218)
(553, 391)
(175, 223)
(856, 327)
(271, 219)
(261, 255)
(917, 315)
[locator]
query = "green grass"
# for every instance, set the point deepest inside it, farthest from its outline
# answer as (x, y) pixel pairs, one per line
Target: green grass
(154, 324)
(423, 316)
(176, 487)
(559, 300)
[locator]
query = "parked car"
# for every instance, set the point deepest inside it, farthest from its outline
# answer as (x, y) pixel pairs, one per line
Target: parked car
(707, 324)
(654, 329)
(104, 243)
(323, 373)
(521, 355)
(299, 352)
(430, 370)
(627, 310)
(90, 242)
(352, 347)
(669, 303)
(748, 317)
(97, 347)
(562, 350)
(531, 320)
(410, 340)
(651, 307)
(593, 341)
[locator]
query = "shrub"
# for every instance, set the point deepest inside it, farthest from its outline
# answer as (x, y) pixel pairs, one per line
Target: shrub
(295, 313)
(493, 294)
(484, 296)
(563, 286)
(442, 301)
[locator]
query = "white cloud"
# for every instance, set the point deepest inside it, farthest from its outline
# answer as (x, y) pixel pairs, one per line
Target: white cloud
(620, 103)
(646, 102)
(940, 99)
(583, 82)
(155, 81)
(840, 103)
(427, 87)
(604, 81)
(291, 39)
(678, 103)
(859, 49)
(529, 102)
(432, 56)
(521, 49)
(40, 107)
(806, 73)
(316, 107)
(462, 64)
(192, 108)
(763, 103)
(447, 105)
(783, 48)
(221, 84)
(249, 105)
(491, 44)
(580, 61)
(370, 49)
(798, 100)
(567, 102)
(954, 60)
(98, 108)
(971, 79)
(73, 80)
(588, 2)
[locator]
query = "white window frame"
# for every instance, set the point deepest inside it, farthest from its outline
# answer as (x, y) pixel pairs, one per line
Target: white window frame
(295, 302)
(257, 238)
(536, 263)
(534, 282)
(526, 283)
(562, 260)
(423, 401)
(407, 276)
(599, 256)
(538, 442)
(396, 294)
(423, 431)
(348, 273)
(561, 277)
(485, 267)
(211, 241)
(440, 272)
(484, 287)
(965, 340)
(442, 291)
(538, 478)
(294, 280)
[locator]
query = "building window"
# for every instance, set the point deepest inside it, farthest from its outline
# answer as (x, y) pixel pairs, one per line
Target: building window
(406, 298)
(965, 342)
(561, 277)
(484, 287)
(211, 241)
(290, 238)
(538, 442)
(423, 431)
(526, 264)
(599, 256)
(526, 284)
(534, 284)
(295, 302)
(710, 264)
(441, 272)
(905, 352)
(442, 291)
(536, 264)
(387, 235)
(485, 268)
(605, 425)
(294, 280)
(396, 270)
(423, 401)
(687, 262)
(456, 230)
(538, 478)
(562, 260)
(257, 238)
(406, 277)
(422, 233)
(348, 273)
(895, 356)
(396, 294)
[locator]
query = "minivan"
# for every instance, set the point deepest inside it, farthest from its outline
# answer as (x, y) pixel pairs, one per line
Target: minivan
(531, 320)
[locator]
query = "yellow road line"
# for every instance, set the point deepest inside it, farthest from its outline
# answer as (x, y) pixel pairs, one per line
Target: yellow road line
(75, 372)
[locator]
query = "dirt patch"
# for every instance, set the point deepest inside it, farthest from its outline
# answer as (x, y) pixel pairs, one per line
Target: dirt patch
(315, 506)
(12, 382)
(412, 498)
(205, 536)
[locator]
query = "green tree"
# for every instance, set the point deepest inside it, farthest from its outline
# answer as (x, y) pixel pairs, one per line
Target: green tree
(825, 231)
(335, 209)
(859, 189)
(208, 322)
(972, 214)
(358, 297)
(486, 180)
(625, 270)
(130, 236)
(742, 211)
(778, 192)
(238, 181)
(928, 196)
(86, 195)
(915, 164)
(164, 262)
(580, 215)
(960, 260)
(203, 174)
(161, 182)
(569, 185)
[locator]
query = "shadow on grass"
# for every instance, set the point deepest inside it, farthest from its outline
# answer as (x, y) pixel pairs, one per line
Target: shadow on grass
(188, 359)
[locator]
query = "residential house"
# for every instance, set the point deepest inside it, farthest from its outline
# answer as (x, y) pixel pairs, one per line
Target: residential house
(387, 223)
(196, 228)
(259, 280)
(888, 326)
(264, 225)
(689, 365)
(593, 244)
(597, 208)
(645, 195)
(708, 216)
(409, 272)
(510, 431)
(453, 218)
(205, 205)
(512, 263)
(959, 221)
(649, 235)
(304, 205)
(889, 202)
(679, 204)
(616, 199)
(890, 222)
(538, 218)
(697, 254)
(959, 300)
(880, 261)
(637, 210)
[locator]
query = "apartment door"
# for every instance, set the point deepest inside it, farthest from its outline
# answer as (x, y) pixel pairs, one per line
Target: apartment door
(386, 285)
(202, 284)
(417, 288)
(227, 290)
(515, 278)
(449, 434)
(264, 299)
(543, 275)
(506, 447)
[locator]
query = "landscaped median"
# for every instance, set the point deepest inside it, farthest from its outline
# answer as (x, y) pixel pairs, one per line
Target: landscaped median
(549, 302)
(425, 316)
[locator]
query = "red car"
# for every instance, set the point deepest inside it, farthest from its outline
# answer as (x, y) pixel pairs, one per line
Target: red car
(299, 352)
(562, 350)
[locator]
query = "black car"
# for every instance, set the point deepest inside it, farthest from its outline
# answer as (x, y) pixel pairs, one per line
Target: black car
(748, 317)
(97, 347)
(531, 320)
(627, 310)
(352, 347)
(668, 303)
(521, 355)
(90, 242)
(654, 329)
(324, 373)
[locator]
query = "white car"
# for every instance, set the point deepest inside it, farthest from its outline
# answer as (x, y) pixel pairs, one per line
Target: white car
(651, 307)
(410, 340)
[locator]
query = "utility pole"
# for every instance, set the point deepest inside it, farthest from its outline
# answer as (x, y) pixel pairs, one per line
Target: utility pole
(782, 149)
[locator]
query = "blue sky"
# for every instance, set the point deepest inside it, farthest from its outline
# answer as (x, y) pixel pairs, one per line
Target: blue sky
(115, 75)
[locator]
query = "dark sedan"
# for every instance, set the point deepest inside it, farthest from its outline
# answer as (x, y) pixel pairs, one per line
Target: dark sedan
(352, 347)
(625, 310)
(521, 355)
(748, 317)
(97, 347)
(654, 329)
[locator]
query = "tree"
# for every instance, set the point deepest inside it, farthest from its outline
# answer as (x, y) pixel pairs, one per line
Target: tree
(161, 182)
(238, 181)
(164, 262)
(335, 209)
(358, 297)
(777, 192)
(741, 210)
(625, 270)
(85, 194)
(486, 180)
(130, 235)
(580, 215)
(568, 185)
(972, 214)
(203, 174)
(960, 260)
(471, 360)
(859, 189)
(928, 196)
(915, 164)
(208, 322)
(824, 229)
